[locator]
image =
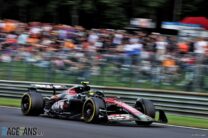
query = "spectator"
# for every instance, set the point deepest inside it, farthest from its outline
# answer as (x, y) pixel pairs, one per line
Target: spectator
(22, 38)
(118, 38)
(161, 46)
(86, 52)
(200, 47)
(183, 48)
(169, 69)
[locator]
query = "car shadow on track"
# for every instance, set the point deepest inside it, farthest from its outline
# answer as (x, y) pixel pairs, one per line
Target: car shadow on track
(132, 124)
(116, 124)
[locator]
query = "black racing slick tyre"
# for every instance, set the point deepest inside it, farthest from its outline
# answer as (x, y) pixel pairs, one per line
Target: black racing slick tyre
(146, 107)
(32, 104)
(94, 111)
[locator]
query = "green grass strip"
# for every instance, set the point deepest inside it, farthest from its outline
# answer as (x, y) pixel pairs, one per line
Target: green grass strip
(187, 121)
(172, 119)
(10, 102)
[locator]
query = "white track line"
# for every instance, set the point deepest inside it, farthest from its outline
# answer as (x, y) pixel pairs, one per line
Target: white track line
(181, 126)
(10, 107)
(154, 123)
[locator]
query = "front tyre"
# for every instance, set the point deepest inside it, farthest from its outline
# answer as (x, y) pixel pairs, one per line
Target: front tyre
(32, 104)
(147, 108)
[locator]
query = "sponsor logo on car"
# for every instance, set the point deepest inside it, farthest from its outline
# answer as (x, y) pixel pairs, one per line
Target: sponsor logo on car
(120, 117)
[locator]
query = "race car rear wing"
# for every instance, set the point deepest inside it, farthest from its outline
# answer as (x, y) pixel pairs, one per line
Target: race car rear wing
(47, 87)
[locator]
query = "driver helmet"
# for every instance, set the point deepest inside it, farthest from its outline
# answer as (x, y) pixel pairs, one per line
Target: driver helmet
(85, 86)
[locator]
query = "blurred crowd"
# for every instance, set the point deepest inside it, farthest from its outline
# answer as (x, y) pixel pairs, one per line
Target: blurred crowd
(147, 56)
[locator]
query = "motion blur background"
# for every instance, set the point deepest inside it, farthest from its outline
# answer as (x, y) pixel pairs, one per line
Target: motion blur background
(131, 43)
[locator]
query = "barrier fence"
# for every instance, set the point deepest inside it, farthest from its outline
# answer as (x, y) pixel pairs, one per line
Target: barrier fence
(109, 74)
(177, 102)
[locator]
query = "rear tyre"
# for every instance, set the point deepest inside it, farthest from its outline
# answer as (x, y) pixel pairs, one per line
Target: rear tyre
(32, 104)
(146, 107)
(91, 111)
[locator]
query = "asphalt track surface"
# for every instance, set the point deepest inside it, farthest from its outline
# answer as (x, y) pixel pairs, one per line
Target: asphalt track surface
(59, 128)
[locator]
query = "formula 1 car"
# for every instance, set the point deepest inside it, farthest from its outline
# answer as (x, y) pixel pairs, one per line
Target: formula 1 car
(90, 106)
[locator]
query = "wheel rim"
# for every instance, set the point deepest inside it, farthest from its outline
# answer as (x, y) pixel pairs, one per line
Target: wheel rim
(25, 104)
(88, 111)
